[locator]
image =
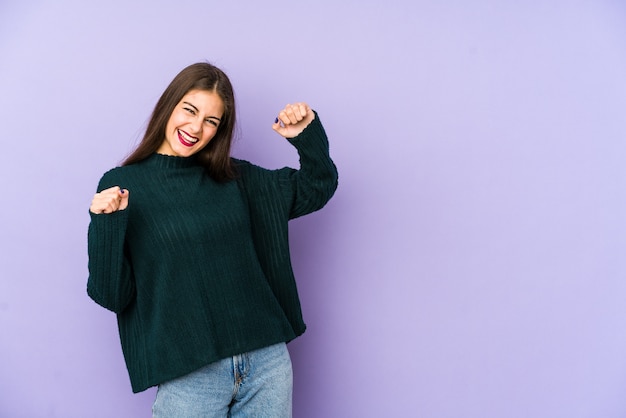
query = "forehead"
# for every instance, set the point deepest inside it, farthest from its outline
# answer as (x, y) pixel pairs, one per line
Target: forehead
(205, 101)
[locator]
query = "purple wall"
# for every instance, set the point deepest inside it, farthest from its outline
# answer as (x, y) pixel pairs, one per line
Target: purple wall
(472, 261)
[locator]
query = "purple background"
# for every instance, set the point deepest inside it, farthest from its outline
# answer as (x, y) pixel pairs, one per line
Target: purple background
(472, 261)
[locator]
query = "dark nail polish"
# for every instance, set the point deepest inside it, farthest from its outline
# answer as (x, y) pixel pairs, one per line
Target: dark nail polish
(276, 121)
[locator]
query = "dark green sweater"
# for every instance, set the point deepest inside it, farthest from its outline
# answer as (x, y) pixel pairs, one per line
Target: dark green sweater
(198, 270)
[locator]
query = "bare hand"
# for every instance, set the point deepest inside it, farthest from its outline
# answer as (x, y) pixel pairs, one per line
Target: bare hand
(110, 200)
(292, 120)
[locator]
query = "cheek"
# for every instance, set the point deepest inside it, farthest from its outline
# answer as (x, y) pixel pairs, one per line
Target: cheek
(176, 120)
(209, 134)
(170, 127)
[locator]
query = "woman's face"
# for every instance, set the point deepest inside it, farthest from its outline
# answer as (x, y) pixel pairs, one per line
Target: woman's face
(192, 124)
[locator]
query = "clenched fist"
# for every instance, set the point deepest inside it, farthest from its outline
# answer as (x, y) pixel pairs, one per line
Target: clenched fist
(293, 119)
(110, 200)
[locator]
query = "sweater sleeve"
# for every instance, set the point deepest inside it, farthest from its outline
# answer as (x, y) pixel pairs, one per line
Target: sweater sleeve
(312, 186)
(110, 282)
(288, 192)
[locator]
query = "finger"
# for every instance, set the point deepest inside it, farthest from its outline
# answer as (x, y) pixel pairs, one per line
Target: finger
(290, 114)
(123, 203)
(108, 200)
(283, 118)
(278, 128)
(102, 208)
(108, 206)
(97, 204)
(113, 189)
(298, 112)
(303, 109)
(107, 196)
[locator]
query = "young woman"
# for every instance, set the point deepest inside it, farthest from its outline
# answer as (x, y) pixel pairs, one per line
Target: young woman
(189, 248)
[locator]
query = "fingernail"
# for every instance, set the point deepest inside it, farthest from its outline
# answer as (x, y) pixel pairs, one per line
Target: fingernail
(122, 191)
(276, 121)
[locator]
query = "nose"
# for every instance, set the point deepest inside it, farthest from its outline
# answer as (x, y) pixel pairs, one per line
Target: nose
(196, 125)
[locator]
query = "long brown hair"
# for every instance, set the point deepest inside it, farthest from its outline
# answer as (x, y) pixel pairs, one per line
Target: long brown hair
(215, 156)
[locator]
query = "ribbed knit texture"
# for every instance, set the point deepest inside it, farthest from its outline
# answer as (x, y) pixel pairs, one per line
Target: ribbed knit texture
(196, 270)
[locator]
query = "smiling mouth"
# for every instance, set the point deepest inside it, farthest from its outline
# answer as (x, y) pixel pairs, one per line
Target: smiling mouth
(186, 139)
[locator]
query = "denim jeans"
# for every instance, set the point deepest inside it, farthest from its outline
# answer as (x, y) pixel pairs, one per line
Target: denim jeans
(254, 384)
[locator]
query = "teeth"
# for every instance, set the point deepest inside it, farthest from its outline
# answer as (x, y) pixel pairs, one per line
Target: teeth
(187, 137)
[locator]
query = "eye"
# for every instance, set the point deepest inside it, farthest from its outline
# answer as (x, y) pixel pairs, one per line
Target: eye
(190, 110)
(211, 121)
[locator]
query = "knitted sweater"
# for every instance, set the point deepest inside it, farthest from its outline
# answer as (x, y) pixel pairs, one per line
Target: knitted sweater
(198, 270)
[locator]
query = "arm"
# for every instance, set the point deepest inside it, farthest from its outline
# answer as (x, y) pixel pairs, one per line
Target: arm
(315, 183)
(110, 282)
(287, 192)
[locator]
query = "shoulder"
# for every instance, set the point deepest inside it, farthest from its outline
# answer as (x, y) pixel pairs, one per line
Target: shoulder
(118, 176)
(109, 178)
(249, 172)
(246, 168)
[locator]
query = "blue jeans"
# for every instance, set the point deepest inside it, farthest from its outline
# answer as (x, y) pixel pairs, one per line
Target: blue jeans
(254, 384)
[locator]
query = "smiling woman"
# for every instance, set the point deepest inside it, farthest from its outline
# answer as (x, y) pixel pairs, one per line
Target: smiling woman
(189, 248)
(194, 122)
(197, 85)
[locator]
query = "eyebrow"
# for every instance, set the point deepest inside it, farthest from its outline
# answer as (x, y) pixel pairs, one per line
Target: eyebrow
(196, 109)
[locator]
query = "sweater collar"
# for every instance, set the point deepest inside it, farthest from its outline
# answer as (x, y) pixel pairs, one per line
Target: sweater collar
(171, 161)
